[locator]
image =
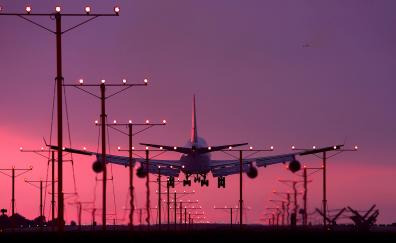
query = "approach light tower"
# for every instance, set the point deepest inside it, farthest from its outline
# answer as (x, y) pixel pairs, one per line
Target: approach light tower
(101, 167)
(58, 16)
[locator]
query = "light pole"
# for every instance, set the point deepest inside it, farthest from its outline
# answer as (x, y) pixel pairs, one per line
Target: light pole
(40, 186)
(230, 209)
(103, 97)
(283, 208)
(241, 170)
(57, 15)
(13, 176)
(130, 135)
(325, 156)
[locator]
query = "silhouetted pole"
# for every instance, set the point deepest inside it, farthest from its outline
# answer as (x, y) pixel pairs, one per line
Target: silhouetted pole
(148, 187)
(159, 197)
(240, 189)
(13, 191)
(305, 216)
(103, 127)
(181, 212)
(295, 197)
(185, 215)
(131, 188)
(324, 190)
(231, 217)
(175, 205)
(168, 201)
(53, 185)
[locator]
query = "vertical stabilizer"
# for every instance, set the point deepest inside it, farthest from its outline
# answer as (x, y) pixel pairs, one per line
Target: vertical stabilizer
(194, 133)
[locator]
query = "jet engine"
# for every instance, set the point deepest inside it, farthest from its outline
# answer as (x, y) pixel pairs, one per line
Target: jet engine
(252, 172)
(294, 166)
(97, 167)
(140, 172)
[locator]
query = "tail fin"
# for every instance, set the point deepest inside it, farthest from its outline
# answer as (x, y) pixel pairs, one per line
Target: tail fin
(194, 133)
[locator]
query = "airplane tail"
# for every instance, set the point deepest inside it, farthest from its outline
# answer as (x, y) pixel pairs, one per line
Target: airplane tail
(194, 132)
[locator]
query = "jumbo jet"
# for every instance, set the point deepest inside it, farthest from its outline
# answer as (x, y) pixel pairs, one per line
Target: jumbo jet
(195, 160)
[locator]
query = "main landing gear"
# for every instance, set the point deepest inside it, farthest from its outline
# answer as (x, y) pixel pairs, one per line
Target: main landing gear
(187, 181)
(204, 181)
(221, 182)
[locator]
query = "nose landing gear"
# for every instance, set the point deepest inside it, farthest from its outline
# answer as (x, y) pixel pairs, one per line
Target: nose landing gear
(221, 182)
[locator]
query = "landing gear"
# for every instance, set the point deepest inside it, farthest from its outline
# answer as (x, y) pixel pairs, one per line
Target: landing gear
(204, 181)
(221, 182)
(187, 181)
(197, 179)
(171, 181)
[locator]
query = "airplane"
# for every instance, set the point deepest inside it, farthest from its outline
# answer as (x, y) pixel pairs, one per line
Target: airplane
(195, 160)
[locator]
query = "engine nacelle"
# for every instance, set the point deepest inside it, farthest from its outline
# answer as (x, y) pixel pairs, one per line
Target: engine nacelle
(294, 166)
(252, 172)
(140, 172)
(97, 167)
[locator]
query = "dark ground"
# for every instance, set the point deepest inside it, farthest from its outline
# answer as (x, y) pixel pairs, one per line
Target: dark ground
(203, 233)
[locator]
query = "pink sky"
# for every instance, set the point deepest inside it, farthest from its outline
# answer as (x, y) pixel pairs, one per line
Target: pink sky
(253, 80)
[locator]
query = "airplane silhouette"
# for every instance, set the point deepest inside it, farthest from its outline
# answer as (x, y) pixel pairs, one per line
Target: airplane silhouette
(196, 160)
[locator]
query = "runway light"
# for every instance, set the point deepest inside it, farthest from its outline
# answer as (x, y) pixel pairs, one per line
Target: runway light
(209, 148)
(42, 148)
(20, 148)
(164, 121)
(335, 147)
(57, 9)
(251, 147)
(272, 147)
(28, 9)
(124, 81)
(230, 147)
(115, 121)
(133, 148)
(159, 166)
(119, 148)
(103, 81)
(87, 9)
(130, 121)
(161, 148)
(145, 81)
(356, 147)
(147, 121)
(84, 148)
(175, 148)
(183, 166)
(81, 81)
(63, 148)
(314, 147)
(116, 10)
(147, 148)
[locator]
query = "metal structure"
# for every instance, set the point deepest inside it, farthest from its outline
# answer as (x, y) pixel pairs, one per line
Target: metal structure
(103, 97)
(230, 209)
(130, 149)
(13, 176)
(324, 157)
(40, 186)
(58, 16)
(293, 184)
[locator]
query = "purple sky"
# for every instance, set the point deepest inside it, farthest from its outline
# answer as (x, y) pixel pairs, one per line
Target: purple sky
(254, 80)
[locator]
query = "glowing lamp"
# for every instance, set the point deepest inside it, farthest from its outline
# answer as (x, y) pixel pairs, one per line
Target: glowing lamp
(161, 148)
(96, 122)
(230, 147)
(87, 9)
(103, 81)
(84, 148)
(314, 147)
(119, 148)
(57, 9)
(28, 9)
(164, 121)
(145, 81)
(251, 147)
(183, 166)
(133, 148)
(159, 166)
(115, 121)
(356, 147)
(42, 148)
(175, 148)
(293, 147)
(124, 81)
(209, 148)
(147, 121)
(81, 81)
(21, 148)
(272, 147)
(130, 121)
(147, 148)
(335, 147)
(116, 10)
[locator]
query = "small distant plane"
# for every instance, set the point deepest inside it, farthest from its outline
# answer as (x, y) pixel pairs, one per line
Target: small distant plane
(196, 160)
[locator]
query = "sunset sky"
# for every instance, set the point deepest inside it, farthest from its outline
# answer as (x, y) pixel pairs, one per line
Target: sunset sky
(268, 73)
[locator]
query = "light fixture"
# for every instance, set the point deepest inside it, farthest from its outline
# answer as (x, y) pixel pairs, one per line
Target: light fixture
(103, 81)
(251, 147)
(147, 121)
(87, 9)
(124, 81)
(115, 121)
(81, 81)
(28, 9)
(356, 147)
(164, 121)
(272, 147)
(130, 121)
(58, 9)
(145, 81)
(116, 10)
(96, 121)
(292, 147)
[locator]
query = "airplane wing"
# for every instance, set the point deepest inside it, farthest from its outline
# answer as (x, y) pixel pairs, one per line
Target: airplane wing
(221, 147)
(230, 167)
(165, 167)
(182, 150)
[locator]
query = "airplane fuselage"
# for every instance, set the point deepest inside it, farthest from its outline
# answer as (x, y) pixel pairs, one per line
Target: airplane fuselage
(195, 162)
